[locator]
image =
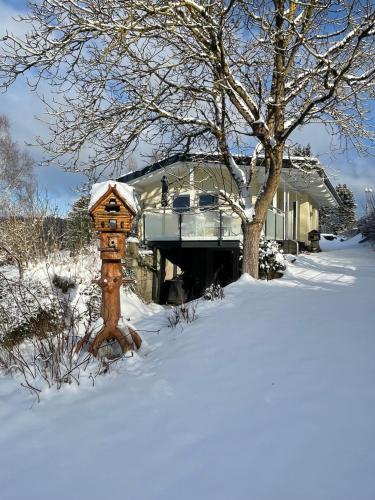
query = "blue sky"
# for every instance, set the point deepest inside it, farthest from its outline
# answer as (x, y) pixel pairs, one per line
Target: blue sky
(22, 106)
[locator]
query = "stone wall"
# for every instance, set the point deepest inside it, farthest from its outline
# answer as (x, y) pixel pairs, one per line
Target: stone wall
(141, 264)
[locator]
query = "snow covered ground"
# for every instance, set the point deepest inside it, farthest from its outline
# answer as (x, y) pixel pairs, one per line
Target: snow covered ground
(268, 395)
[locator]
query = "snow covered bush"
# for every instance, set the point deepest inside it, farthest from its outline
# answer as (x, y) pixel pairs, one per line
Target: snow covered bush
(39, 330)
(271, 259)
(27, 308)
(214, 292)
(50, 361)
(44, 312)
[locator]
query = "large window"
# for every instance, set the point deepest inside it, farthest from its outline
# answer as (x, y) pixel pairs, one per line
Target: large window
(182, 203)
(207, 201)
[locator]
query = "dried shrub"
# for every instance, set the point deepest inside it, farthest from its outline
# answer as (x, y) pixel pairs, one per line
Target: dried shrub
(29, 231)
(63, 283)
(39, 331)
(183, 314)
(214, 292)
(93, 300)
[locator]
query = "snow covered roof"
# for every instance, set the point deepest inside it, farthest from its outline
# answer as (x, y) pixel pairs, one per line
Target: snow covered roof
(316, 182)
(126, 192)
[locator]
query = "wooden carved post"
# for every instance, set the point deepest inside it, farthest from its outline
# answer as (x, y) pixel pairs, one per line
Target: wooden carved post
(113, 217)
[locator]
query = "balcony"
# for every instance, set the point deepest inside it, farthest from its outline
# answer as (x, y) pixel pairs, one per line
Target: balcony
(209, 225)
(274, 225)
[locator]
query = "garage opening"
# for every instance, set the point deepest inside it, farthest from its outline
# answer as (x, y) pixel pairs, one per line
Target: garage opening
(184, 273)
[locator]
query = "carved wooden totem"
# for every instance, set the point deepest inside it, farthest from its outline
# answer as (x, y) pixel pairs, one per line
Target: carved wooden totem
(113, 218)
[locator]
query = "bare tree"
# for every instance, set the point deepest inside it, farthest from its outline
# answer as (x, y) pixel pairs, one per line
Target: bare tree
(221, 75)
(17, 181)
(29, 231)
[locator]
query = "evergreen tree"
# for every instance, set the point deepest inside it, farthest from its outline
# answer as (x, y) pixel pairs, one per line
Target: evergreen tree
(79, 227)
(328, 219)
(347, 216)
(342, 218)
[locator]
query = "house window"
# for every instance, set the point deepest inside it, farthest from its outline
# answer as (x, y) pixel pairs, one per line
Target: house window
(182, 203)
(207, 200)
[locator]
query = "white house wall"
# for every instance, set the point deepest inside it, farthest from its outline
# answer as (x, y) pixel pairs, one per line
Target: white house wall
(205, 178)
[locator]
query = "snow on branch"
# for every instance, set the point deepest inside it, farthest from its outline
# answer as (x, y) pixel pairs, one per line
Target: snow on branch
(132, 72)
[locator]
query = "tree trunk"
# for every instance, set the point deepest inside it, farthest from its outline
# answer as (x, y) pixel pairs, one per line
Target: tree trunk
(252, 230)
(251, 236)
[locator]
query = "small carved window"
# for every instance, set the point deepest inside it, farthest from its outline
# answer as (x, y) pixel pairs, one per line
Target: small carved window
(111, 206)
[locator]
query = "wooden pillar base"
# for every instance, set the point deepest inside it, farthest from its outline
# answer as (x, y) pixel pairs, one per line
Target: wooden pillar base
(110, 332)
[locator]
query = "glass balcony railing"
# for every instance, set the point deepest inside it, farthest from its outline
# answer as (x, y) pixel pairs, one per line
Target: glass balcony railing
(205, 225)
(274, 225)
(161, 226)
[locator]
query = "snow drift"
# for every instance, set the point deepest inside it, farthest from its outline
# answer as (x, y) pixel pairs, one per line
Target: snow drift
(268, 395)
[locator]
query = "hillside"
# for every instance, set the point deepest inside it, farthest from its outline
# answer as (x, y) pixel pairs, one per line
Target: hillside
(268, 395)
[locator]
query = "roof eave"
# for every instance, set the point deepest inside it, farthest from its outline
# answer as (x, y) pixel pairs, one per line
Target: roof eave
(212, 158)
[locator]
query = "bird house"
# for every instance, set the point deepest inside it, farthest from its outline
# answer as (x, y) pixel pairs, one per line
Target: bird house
(112, 213)
(112, 246)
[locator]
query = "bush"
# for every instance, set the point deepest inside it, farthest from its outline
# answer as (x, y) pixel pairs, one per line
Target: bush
(185, 313)
(40, 324)
(271, 259)
(27, 308)
(214, 292)
(63, 283)
(44, 322)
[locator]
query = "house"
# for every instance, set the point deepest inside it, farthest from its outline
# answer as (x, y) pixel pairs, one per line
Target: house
(193, 232)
